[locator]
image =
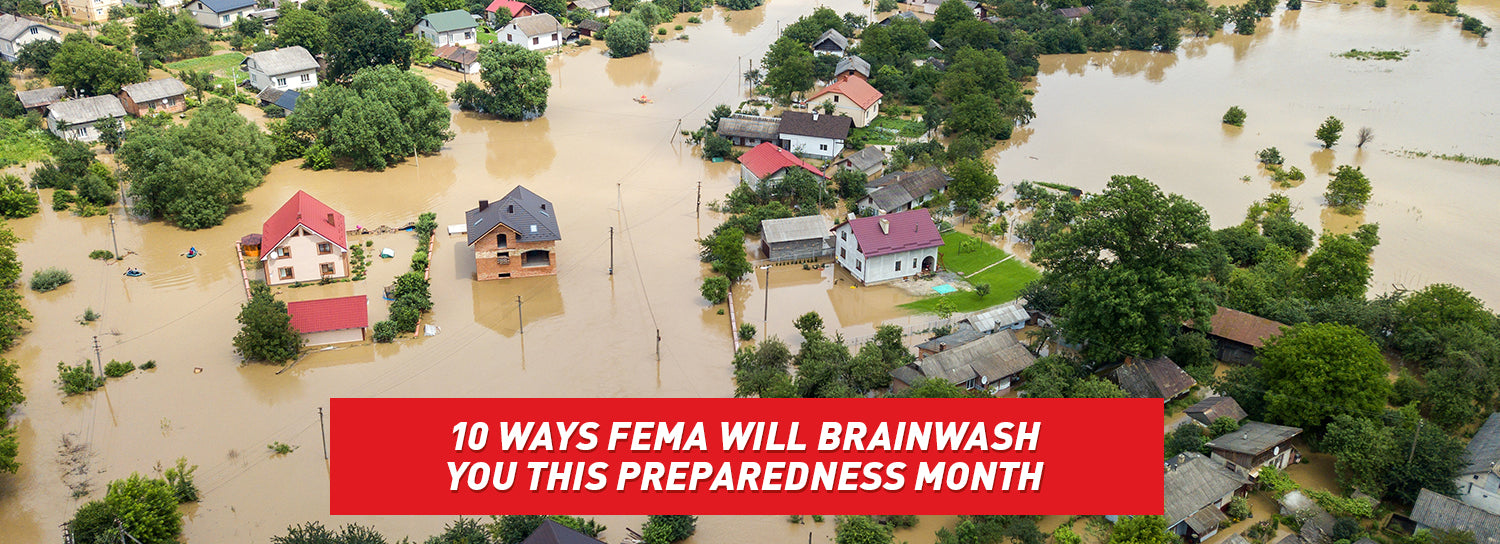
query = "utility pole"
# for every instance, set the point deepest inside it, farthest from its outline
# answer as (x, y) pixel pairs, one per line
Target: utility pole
(1416, 433)
(611, 251)
(99, 361)
(520, 318)
(766, 316)
(698, 208)
(323, 432)
(658, 344)
(112, 236)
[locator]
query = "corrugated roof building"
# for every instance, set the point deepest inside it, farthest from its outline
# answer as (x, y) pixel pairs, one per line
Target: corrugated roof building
(795, 238)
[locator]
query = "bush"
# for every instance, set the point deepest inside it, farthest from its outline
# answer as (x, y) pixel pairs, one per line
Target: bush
(279, 448)
(1380, 3)
(385, 331)
(90, 316)
(715, 289)
(79, 379)
(1270, 155)
(983, 290)
(1239, 509)
(181, 480)
(49, 279)
(627, 37)
(1277, 482)
(149, 365)
(61, 199)
(117, 369)
(661, 31)
(101, 254)
(678, 27)
(695, 20)
(1235, 116)
(747, 332)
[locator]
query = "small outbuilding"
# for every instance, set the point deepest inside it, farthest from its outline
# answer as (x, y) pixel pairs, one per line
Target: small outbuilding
(1256, 445)
(1236, 334)
(1197, 490)
(852, 65)
(1011, 315)
(1158, 378)
(589, 27)
(869, 161)
(795, 238)
(963, 334)
(158, 95)
(1437, 511)
(1209, 410)
(831, 43)
(992, 363)
(287, 100)
(37, 100)
(749, 130)
(330, 320)
(75, 119)
(459, 59)
(1479, 482)
(766, 163)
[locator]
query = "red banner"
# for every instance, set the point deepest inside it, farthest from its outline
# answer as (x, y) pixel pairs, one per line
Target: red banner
(746, 456)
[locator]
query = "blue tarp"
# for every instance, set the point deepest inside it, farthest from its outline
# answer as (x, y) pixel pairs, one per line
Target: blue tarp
(944, 289)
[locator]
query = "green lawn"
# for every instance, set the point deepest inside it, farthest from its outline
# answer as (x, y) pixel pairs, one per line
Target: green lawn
(885, 130)
(21, 143)
(486, 36)
(220, 63)
(1006, 279)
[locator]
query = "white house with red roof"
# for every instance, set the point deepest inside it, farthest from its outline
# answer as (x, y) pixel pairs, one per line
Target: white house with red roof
(851, 96)
(330, 320)
(888, 247)
(768, 163)
(304, 241)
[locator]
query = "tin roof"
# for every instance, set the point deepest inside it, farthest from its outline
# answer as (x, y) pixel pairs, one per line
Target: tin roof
(329, 314)
(1194, 483)
(1209, 410)
(1443, 512)
(41, 97)
(86, 110)
(904, 231)
(1158, 378)
(807, 227)
(1254, 437)
(303, 209)
(155, 89)
(766, 159)
(1242, 327)
(1004, 315)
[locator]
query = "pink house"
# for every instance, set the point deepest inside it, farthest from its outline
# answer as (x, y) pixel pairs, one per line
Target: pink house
(304, 241)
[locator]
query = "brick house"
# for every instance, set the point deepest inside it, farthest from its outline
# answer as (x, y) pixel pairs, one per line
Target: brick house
(304, 241)
(514, 237)
(164, 95)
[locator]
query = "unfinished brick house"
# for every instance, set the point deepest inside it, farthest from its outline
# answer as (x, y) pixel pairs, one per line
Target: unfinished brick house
(514, 237)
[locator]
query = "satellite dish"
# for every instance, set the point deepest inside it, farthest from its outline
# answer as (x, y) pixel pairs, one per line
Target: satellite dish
(1276, 450)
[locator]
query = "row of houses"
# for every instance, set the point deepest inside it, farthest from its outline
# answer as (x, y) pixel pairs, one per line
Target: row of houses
(75, 119)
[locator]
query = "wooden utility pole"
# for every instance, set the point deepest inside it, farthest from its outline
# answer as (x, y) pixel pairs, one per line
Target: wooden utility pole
(698, 208)
(97, 359)
(611, 251)
(766, 317)
(323, 432)
(658, 344)
(520, 318)
(112, 236)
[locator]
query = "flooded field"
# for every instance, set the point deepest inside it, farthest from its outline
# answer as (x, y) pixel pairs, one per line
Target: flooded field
(606, 161)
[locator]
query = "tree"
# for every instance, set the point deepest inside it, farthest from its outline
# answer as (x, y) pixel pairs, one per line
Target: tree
(1329, 131)
(1286, 231)
(166, 35)
(668, 529)
(301, 28)
(1235, 116)
(1378, 455)
(1131, 268)
(266, 332)
(715, 289)
(1142, 530)
(947, 16)
(516, 81)
(146, 508)
(792, 75)
(861, 530)
(82, 65)
(727, 254)
(627, 37)
(1349, 189)
(1364, 136)
(191, 174)
(978, 114)
(1340, 267)
(313, 532)
(363, 38)
(972, 180)
(1315, 372)
(109, 133)
(37, 55)
(16, 201)
(761, 370)
(810, 325)
(382, 117)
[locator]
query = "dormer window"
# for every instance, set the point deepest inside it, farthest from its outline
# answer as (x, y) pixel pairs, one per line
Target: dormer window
(511, 208)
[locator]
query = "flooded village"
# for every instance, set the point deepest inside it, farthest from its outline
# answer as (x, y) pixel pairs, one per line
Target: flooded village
(562, 256)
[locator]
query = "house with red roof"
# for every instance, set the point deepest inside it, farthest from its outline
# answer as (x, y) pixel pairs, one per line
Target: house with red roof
(888, 247)
(330, 320)
(304, 241)
(851, 96)
(768, 163)
(516, 7)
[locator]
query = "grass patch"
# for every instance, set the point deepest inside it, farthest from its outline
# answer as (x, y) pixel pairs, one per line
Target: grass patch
(215, 63)
(885, 130)
(486, 36)
(21, 143)
(1483, 161)
(1058, 186)
(1006, 279)
(1375, 54)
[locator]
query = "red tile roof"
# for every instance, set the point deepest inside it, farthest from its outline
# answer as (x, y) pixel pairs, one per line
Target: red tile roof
(911, 229)
(517, 9)
(329, 314)
(765, 159)
(303, 209)
(855, 88)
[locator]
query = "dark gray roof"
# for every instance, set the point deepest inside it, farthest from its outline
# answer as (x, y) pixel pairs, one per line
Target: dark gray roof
(1238, 538)
(865, 159)
(1005, 315)
(155, 89)
(899, 15)
(590, 25)
(1209, 410)
(1484, 448)
(993, 357)
(749, 126)
(1254, 437)
(1158, 378)
(852, 62)
(1443, 512)
(962, 336)
(832, 36)
(85, 110)
(284, 60)
(12, 26)
(815, 125)
(531, 216)
(41, 97)
(1196, 482)
(1073, 13)
(287, 100)
(1206, 519)
(901, 188)
(890, 198)
(536, 25)
(225, 6)
(590, 5)
(552, 532)
(807, 227)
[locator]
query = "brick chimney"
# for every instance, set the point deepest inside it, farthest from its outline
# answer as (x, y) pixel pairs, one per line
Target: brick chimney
(483, 204)
(885, 226)
(942, 346)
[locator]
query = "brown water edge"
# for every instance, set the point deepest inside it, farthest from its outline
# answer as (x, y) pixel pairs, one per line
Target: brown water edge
(1157, 116)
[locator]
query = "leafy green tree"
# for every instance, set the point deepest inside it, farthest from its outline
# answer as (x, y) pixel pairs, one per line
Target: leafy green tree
(37, 55)
(462, 531)
(727, 254)
(739, 5)
(627, 37)
(947, 16)
(313, 532)
(1317, 371)
(883, 6)
(382, 117)
(1349, 189)
(1330, 131)
(16, 201)
(1378, 455)
(1130, 269)
(1235, 116)
(1094, 387)
(191, 174)
(1286, 231)
(363, 38)
(1142, 530)
(861, 530)
(1340, 267)
(82, 65)
(110, 133)
(146, 507)
(516, 81)
(1222, 426)
(1185, 438)
(669, 529)
(715, 289)
(809, 28)
(266, 332)
(167, 35)
(180, 478)
(979, 115)
(972, 180)
(792, 75)
(304, 28)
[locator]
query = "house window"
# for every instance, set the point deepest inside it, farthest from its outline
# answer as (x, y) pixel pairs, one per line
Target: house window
(81, 132)
(326, 269)
(535, 41)
(822, 147)
(284, 273)
(859, 265)
(306, 78)
(835, 99)
(468, 35)
(554, 36)
(285, 251)
(33, 30)
(500, 241)
(226, 18)
(325, 248)
(844, 235)
(509, 38)
(843, 253)
(281, 81)
(898, 266)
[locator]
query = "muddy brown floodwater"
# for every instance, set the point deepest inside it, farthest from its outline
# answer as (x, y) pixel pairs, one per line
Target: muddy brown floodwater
(606, 161)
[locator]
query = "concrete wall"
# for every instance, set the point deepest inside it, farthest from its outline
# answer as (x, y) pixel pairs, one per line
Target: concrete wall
(305, 262)
(88, 10)
(491, 262)
(511, 34)
(880, 268)
(794, 250)
(295, 81)
(1480, 491)
(462, 36)
(823, 148)
(334, 337)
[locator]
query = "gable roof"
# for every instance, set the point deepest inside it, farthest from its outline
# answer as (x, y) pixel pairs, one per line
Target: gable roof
(1484, 449)
(898, 16)
(11, 26)
(864, 159)
(834, 37)
(303, 209)
(1318, 524)
(41, 97)
(458, 54)
(1004, 315)
(225, 6)
(448, 21)
(908, 230)
(1074, 13)
(960, 337)
(85, 110)
(1242, 327)
(515, 7)
(749, 126)
(590, 25)
(589, 5)
(536, 25)
(1196, 482)
(798, 123)
(852, 63)
(329, 314)
(552, 532)
(1254, 437)
(855, 88)
(531, 216)
(807, 227)
(155, 89)
(901, 188)
(283, 60)
(766, 159)
(987, 359)
(890, 197)
(1158, 378)
(1209, 410)
(1443, 512)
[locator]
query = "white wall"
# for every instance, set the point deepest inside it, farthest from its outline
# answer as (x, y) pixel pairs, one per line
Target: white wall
(292, 82)
(1480, 491)
(511, 34)
(462, 36)
(334, 337)
(208, 18)
(880, 268)
(34, 34)
(304, 261)
(823, 148)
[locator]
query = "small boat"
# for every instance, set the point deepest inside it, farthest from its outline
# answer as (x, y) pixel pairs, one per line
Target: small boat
(642, 99)
(134, 273)
(191, 252)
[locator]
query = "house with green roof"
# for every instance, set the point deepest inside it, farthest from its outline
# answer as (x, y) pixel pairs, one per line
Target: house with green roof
(452, 27)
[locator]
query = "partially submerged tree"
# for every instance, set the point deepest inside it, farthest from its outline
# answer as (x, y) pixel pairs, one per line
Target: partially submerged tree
(1318, 371)
(627, 37)
(516, 82)
(1330, 131)
(266, 332)
(191, 174)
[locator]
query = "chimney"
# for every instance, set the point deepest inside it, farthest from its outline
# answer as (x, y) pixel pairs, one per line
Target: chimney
(330, 220)
(815, 116)
(483, 204)
(942, 346)
(885, 226)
